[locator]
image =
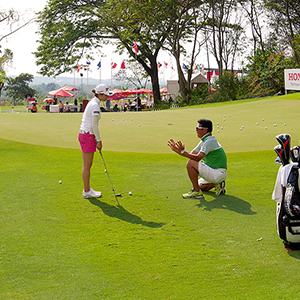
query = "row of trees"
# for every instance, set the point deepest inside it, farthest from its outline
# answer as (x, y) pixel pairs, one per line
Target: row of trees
(226, 29)
(17, 88)
(261, 35)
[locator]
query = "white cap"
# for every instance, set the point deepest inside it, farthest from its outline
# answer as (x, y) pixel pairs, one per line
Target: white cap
(103, 89)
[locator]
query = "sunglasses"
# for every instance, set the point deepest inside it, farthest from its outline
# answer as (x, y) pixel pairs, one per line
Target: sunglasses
(198, 128)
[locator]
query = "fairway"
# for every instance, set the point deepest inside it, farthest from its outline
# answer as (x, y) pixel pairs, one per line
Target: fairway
(155, 245)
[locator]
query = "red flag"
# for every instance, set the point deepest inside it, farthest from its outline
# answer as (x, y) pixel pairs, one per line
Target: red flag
(209, 75)
(135, 48)
(113, 65)
(123, 65)
(78, 68)
(166, 64)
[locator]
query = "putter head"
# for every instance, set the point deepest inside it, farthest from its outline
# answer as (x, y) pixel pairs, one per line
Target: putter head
(284, 154)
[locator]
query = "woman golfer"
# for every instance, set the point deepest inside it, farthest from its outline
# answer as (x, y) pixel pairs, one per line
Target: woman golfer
(89, 136)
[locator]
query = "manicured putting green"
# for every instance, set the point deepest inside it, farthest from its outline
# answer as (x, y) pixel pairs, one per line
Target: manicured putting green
(278, 115)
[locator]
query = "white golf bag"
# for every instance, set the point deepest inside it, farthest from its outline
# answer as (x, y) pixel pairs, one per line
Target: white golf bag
(287, 193)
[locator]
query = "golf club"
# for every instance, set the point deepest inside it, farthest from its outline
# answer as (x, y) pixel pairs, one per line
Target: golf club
(116, 195)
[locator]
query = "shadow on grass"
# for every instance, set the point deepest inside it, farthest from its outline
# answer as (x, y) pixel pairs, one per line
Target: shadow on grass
(226, 202)
(121, 213)
(294, 254)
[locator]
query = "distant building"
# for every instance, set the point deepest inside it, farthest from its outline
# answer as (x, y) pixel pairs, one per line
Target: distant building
(173, 84)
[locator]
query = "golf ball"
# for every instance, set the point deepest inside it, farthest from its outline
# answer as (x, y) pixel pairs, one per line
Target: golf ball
(275, 125)
(284, 124)
(256, 123)
(218, 131)
(112, 119)
(60, 182)
(123, 119)
(130, 194)
(131, 119)
(139, 125)
(105, 170)
(263, 119)
(266, 127)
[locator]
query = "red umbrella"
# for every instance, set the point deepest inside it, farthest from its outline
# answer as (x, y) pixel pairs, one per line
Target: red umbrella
(49, 100)
(60, 93)
(120, 92)
(164, 90)
(69, 88)
(117, 91)
(116, 96)
(132, 92)
(145, 91)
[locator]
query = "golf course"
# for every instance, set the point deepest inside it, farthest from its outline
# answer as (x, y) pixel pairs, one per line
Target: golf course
(154, 244)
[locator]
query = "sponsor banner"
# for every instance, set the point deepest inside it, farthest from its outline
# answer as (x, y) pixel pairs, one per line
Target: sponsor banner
(292, 79)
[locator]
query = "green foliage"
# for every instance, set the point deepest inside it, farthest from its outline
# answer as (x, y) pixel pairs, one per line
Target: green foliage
(199, 95)
(17, 88)
(267, 71)
(228, 86)
(163, 105)
(6, 57)
(43, 88)
(72, 30)
(296, 44)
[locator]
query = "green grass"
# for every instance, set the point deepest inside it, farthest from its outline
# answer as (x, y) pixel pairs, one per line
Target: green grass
(155, 245)
(61, 130)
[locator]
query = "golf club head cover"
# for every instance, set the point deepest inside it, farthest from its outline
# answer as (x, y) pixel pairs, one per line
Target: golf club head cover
(285, 141)
(279, 151)
(295, 154)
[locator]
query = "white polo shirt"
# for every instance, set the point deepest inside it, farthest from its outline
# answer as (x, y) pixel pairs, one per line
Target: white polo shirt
(91, 117)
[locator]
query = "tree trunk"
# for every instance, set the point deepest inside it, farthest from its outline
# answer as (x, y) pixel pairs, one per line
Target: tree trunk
(153, 73)
(1, 87)
(155, 86)
(182, 82)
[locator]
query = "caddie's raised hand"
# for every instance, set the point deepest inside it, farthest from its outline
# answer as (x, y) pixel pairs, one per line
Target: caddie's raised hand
(179, 146)
(171, 144)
